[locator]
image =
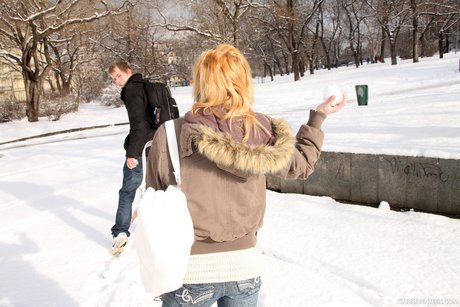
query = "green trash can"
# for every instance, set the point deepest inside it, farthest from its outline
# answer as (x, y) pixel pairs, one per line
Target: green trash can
(362, 94)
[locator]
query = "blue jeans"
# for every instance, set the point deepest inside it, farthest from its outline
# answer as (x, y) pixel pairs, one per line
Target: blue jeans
(243, 293)
(132, 179)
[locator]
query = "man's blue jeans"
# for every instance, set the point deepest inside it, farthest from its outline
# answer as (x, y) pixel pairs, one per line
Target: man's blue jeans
(243, 293)
(132, 179)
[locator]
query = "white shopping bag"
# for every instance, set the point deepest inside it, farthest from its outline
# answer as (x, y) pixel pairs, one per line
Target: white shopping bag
(164, 236)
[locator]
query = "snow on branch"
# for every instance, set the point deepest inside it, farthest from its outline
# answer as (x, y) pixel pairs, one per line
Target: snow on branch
(6, 33)
(55, 28)
(178, 28)
(8, 55)
(110, 49)
(37, 14)
(258, 5)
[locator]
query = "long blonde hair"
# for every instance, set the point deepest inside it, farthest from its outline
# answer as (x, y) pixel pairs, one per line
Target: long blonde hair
(222, 85)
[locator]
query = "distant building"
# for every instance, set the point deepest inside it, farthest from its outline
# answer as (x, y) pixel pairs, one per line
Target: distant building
(173, 58)
(11, 85)
(173, 62)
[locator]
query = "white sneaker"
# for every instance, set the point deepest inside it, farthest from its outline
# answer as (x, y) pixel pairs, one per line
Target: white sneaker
(119, 243)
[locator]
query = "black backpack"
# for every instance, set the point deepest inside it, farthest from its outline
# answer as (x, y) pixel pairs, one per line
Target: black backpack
(164, 107)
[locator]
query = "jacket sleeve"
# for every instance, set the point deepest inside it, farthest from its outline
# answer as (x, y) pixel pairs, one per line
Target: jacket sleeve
(309, 139)
(139, 127)
(159, 167)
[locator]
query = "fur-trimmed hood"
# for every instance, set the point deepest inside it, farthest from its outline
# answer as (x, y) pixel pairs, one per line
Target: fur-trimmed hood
(268, 154)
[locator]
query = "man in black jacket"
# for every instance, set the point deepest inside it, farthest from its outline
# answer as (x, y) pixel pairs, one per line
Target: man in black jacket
(140, 132)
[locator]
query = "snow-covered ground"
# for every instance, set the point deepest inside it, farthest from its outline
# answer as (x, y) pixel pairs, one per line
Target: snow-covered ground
(58, 198)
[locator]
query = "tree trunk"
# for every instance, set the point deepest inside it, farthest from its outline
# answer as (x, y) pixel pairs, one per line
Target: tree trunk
(295, 65)
(355, 54)
(326, 50)
(328, 59)
(422, 47)
(382, 46)
(270, 71)
(32, 84)
(33, 92)
(292, 47)
(336, 55)
(356, 58)
(236, 34)
(394, 59)
(280, 68)
(129, 43)
(440, 44)
(440, 48)
(276, 60)
(301, 68)
(311, 65)
(50, 82)
(415, 41)
(66, 89)
(58, 82)
(358, 46)
(286, 64)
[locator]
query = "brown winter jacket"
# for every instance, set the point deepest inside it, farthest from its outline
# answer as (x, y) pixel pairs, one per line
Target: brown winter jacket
(224, 178)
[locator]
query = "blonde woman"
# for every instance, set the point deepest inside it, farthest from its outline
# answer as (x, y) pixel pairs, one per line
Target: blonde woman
(226, 149)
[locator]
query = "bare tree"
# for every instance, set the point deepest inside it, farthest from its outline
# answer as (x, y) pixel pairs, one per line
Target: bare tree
(218, 20)
(371, 38)
(310, 46)
(329, 18)
(269, 29)
(290, 22)
(69, 50)
(28, 26)
(392, 16)
(447, 17)
(356, 12)
(432, 21)
(415, 30)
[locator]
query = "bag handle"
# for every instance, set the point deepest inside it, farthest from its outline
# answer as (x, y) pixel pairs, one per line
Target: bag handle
(173, 149)
(144, 163)
(173, 153)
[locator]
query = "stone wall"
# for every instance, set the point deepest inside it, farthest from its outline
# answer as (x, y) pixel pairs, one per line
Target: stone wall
(427, 184)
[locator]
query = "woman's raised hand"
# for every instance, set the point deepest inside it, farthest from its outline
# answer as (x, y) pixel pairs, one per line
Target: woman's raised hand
(331, 105)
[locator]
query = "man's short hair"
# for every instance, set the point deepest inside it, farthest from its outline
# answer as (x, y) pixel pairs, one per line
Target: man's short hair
(122, 65)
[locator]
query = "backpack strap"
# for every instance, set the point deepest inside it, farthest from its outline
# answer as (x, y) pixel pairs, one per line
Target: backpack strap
(173, 149)
(144, 163)
(165, 95)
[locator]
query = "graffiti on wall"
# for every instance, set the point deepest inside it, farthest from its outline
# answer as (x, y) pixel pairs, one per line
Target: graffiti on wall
(417, 169)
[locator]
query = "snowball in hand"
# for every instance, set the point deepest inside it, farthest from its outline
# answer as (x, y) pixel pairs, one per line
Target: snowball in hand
(333, 90)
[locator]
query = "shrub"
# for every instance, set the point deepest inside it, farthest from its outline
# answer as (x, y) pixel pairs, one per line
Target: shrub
(54, 105)
(91, 88)
(111, 96)
(12, 110)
